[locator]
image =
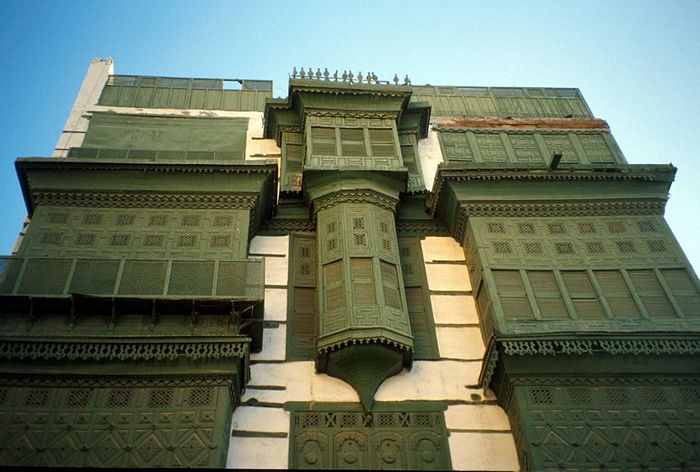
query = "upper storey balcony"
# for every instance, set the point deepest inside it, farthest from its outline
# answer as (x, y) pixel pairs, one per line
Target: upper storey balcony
(188, 93)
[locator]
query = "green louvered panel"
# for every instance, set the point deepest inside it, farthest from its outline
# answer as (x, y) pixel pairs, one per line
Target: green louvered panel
(652, 294)
(547, 294)
(390, 282)
(323, 141)
(617, 294)
(684, 290)
(352, 142)
(382, 142)
(513, 102)
(151, 133)
(301, 309)
(582, 294)
(512, 294)
(147, 92)
(418, 299)
(362, 281)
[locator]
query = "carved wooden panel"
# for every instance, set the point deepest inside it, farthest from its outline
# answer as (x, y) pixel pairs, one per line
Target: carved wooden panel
(576, 242)
(66, 231)
(617, 425)
(529, 147)
(93, 426)
(342, 437)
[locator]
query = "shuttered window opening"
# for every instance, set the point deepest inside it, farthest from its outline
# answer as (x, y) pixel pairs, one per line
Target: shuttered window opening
(683, 289)
(418, 299)
(352, 142)
(382, 142)
(323, 141)
(390, 282)
(301, 302)
(362, 281)
(333, 281)
(617, 294)
(582, 294)
(512, 294)
(652, 294)
(548, 295)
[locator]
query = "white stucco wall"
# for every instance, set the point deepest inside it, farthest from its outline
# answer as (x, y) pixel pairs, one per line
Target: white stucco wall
(479, 431)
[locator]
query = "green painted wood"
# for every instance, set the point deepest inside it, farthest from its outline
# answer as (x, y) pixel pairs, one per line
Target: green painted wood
(504, 102)
(89, 425)
(409, 435)
(183, 93)
(132, 232)
(484, 146)
(302, 315)
(418, 299)
(154, 133)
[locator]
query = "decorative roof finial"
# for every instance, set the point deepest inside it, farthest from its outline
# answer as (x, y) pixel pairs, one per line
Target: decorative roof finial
(294, 73)
(350, 77)
(396, 79)
(359, 77)
(325, 73)
(407, 81)
(318, 73)
(335, 75)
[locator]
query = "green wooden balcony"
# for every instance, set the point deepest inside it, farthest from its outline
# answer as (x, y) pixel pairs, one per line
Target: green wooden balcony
(35, 287)
(53, 276)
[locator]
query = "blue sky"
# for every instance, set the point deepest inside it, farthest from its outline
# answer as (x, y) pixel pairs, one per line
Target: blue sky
(636, 63)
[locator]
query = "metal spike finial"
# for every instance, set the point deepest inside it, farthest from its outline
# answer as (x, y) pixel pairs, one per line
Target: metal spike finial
(294, 73)
(396, 79)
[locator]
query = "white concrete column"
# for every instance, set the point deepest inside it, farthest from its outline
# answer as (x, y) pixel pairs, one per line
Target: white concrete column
(74, 130)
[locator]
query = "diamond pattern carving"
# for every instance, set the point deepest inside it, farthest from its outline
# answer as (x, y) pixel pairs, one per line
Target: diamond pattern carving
(101, 434)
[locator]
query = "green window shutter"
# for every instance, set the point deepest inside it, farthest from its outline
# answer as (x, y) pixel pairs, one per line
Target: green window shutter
(582, 294)
(617, 294)
(301, 303)
(323, 141)
(382, 142)
(512, 294)
(390, 282)
(156, 133)
(418, 299)
(547, 294)
(352, 142)
(652, 294)
(334, 287)
(362, 281)
(683, 289)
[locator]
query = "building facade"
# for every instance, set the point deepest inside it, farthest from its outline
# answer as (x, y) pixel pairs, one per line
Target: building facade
(364, 274)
